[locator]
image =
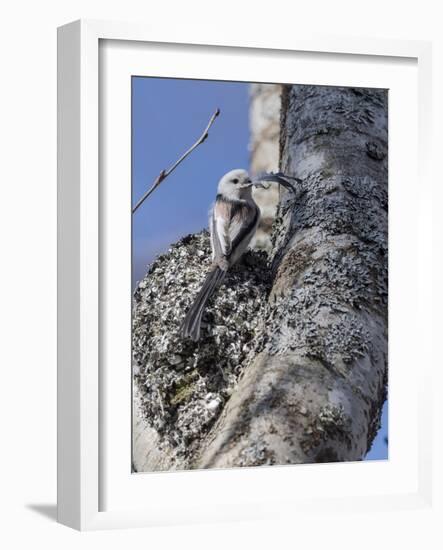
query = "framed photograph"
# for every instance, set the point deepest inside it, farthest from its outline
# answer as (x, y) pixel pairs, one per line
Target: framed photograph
(239, 226)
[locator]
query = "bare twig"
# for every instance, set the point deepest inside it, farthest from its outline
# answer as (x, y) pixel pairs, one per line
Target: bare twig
(165, 173)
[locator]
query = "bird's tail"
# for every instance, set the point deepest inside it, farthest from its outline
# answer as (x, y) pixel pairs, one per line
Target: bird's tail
(191, 324)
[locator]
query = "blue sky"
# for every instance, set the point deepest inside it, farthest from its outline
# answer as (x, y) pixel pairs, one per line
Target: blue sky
(168, 115)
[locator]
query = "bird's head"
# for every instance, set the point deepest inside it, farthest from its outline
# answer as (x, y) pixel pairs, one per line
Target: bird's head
(235, 184)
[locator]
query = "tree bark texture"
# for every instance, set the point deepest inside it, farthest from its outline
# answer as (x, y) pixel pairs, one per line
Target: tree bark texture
(314, 391)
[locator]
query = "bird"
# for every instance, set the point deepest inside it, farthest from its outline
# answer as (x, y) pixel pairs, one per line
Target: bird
(233, 221)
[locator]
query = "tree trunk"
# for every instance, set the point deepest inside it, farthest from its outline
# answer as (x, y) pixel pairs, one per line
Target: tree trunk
(315, 390)
(264, 127)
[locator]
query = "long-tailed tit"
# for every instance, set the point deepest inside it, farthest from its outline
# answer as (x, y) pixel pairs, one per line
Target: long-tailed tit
(232, 224)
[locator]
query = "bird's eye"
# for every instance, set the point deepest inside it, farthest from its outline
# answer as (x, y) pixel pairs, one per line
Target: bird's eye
(235, 180)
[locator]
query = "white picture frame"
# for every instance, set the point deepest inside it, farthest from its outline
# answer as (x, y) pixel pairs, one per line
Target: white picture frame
(82, 404)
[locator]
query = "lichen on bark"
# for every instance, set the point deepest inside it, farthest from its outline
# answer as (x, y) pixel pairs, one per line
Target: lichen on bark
(180, 387)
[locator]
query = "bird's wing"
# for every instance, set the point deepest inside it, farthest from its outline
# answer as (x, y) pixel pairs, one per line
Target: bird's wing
(243, 222)
(219, 227)
(231, 222)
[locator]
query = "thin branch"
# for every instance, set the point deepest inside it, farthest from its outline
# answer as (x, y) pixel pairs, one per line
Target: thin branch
(165, 173)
